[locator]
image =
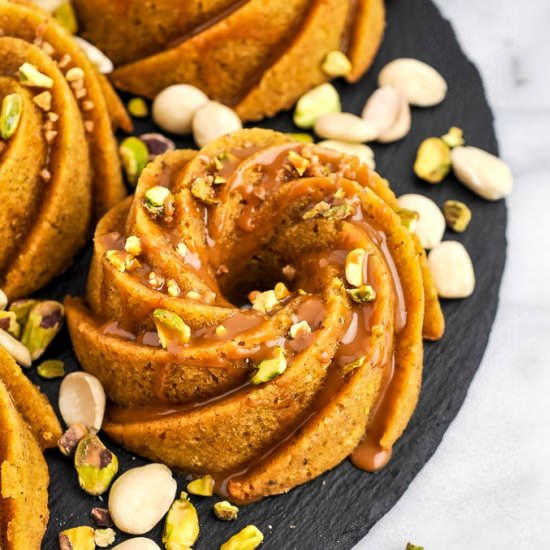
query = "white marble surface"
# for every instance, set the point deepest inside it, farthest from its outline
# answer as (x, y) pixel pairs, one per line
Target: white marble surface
(488, 485)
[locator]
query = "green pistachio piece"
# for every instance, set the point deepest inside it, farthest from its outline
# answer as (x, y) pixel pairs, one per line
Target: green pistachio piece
(30, 76)
(299, 162)
(138, 107)
(454, 137)
(203, 192)
(155, 199)
(225, 511)
(264, 302)
(248, 538)
(66, 17)
(8, 322)
(202, 486)
(181, 527)
(301, 138)
(433, 160)
(53, 368)
(104, 537)
(411, 546)
(281, 291)
(268, 369)
(77, 538)
(457, 215)
(362, 294)
(95, 465)
(314, 104)
(354, 365)
(42, 325)
(409, 218)
(12, 106)
(336, 63)
(171, 328)
(134, 156)
(22, 308)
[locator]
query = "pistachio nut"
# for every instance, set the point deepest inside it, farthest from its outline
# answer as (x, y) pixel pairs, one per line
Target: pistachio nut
(174, 107)
(30, 76)
(299, 163)
(132, 245)
(452, 270)
(248, 538)
(171, 328)
(101, 62)
(140, 498)
(212, 121)
(3, 300)
(138, 108)
(225, 511)
(431, 222)
(362, 294)
(43, 323)
(264, 302)
(15, 348)
(402, 125)
(354, 365)
(134, 156)
(64, 14)
(50, 369)
(355, 265)
(77, 538)
(95, 465)
(454, 137)
(8, 322)
(157, 144)
(121, 260)
(181, 527)
(104, 537)
(409, 218)
(363, 152)
(421, 84)
(82, 400)
(22, 308)
(483, 173)
(299, 329)
(336, 63)
(300, 138)
(10, 115)
(458, 215)
(202, 486)
(433, 160)
(101, 517)
(320, 101)
(71, 437)
(344, 127)
(281, 291)
(268, 369)
(155, 199)
(137, 543)
(382, 109)
(411, 546)
(203, 191)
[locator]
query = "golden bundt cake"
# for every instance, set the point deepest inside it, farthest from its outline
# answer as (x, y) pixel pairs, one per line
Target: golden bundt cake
(324, 361)
(58, 155)
(258, 56)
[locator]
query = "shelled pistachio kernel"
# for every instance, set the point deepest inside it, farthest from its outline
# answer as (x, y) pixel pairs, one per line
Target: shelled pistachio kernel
(281, 291)
(248, 538)
(202, 486)
(433, 160)
(155, 199)
(171, 328)
(457, 215)
(42, 325)
(354, 365)
(77, 538)
(299, 163)
(226, 511)
(203, 192)
(411, 546)
(300, 137)
(30, 76)
(355, 267)
(117, 259)
(12, 106)
(320, 101)
(299, 329)
(53, 368)
(362, 294)
(8, 322)
(133, 245)
(104, 537)
(137, 107)
(454, 137)
(264, 302)
(181, 527)
(336, 63)
(221, 331)
(15, 348)
(95, 465)
(268, 369)
(409, 218)
(22, 308)
(173, 288)
(134, 156)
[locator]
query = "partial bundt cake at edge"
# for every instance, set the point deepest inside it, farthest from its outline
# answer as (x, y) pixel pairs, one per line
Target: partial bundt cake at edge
(270, 397)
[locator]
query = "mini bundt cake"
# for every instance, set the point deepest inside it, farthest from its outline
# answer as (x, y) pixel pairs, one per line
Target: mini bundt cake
(257, 56)
(268, 395)
(58, 155)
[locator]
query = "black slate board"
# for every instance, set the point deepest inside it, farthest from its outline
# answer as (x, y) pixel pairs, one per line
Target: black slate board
(339, 508)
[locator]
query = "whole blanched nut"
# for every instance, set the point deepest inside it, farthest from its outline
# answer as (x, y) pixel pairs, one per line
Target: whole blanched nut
(212, 121)
(137, 543)
(175, 106)
(452, 270)
(431, 222)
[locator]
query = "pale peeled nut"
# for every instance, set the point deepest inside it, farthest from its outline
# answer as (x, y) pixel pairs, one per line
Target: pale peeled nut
(361, 151)
(483, 173)
(140, 498)
(421, 84)
(344, 127)
(212, 121)
(15, 348)
(102, 63)
(382, 109)
(401, 126)
(431, 223)
(174, 108)
(137, 543)
(452, 270)
(82, 400)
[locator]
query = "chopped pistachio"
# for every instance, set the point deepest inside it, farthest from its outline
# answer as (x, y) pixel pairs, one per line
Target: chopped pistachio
(66, 17)
(354, 365)
(299, 329)
(133, 245)
(409, 218)
(182, 249)
(71, 437)
(42, 325)
(134, 156)
(43, 100)
(74, 74)
(299, 162)
(355, 267)
(53, 368)
(457, 215)
(454, 137)
(281, 291)
(336, 63)
(264, 302)
(95, 465)
(171, 328)
(221, 330)
(77, 538)
(378, 330)
(30, 76)
(173, 288)
(202, 486)
(300, 138)
(181, 527)
(268, 369)
(316, 211)
(225, 511)
(340, 193)
(248, 538)
(217, 164)
(193, 295)
(155, 199)
(203, 192)
(138, 107)
(12, 106)
(8, 322)
(121, 261)
(320, 101)
(104, 537)
(219, 180)
(433, 160)
(363, 294)
(339, 211)
(411, 546)
(22, 308)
